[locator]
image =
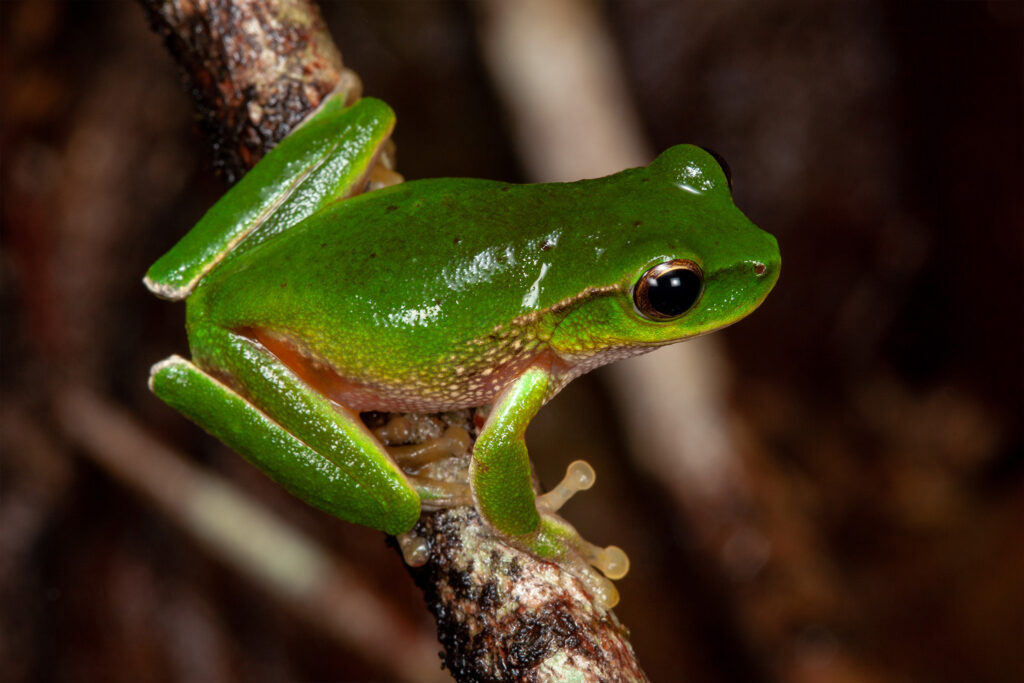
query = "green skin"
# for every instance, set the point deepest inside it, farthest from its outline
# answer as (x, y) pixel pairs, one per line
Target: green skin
(309, 303)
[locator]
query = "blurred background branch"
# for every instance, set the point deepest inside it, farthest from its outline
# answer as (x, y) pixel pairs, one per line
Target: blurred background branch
(238, 530)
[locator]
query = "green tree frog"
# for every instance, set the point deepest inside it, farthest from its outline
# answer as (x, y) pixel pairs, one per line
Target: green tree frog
(310, 301)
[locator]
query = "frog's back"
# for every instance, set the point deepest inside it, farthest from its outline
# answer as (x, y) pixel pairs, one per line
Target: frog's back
(404, 291)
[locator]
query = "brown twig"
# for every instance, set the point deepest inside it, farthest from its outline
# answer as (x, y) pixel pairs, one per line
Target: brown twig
(504, 615)
(255, 68)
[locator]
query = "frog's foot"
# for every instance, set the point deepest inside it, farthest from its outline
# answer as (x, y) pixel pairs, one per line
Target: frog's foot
(454, 441)
(436, 490)
(415, 548)
(383, 173)
(437, 494)
(381, 177)
(559, 541)
(398, 429)
(579, 476)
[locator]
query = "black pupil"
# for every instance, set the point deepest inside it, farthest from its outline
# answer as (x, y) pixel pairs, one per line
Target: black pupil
(673, 292)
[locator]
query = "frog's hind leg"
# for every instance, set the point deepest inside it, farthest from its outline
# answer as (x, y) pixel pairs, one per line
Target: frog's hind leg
(329, 157)
(324, 455)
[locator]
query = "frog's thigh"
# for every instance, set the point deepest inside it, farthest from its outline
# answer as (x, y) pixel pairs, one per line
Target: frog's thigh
(325, 457)
(500, 469)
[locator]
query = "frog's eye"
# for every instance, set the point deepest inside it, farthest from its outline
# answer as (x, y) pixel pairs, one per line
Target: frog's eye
(668, 290)
(723, 163)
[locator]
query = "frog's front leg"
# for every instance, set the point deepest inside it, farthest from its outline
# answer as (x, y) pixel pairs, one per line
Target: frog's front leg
(324, 455)
(502, 488)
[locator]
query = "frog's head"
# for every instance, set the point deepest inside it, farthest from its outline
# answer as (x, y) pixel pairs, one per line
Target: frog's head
(685, 262)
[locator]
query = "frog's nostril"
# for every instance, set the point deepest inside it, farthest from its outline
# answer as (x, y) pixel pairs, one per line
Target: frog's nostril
(760, 269)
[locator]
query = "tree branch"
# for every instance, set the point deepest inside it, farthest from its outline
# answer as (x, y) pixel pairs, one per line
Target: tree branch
(255, 69)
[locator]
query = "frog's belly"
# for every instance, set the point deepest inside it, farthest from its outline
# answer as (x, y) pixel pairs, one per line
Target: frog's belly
(446, 388)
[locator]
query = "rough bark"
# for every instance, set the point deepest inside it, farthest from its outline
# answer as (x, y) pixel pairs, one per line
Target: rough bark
(254, 68)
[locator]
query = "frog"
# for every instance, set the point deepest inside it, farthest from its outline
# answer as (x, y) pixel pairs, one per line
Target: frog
(320, 289)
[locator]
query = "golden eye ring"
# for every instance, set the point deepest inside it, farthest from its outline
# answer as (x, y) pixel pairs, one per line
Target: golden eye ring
(668, 290)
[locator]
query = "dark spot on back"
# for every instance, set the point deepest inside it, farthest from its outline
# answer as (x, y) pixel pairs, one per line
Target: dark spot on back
(373, 255)
(457, 240)
(546, 246)
(391, 207)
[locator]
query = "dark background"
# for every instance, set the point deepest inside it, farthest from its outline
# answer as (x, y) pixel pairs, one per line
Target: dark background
(880, 384)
